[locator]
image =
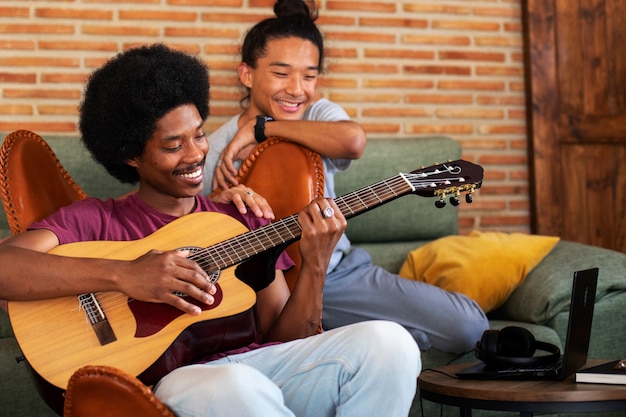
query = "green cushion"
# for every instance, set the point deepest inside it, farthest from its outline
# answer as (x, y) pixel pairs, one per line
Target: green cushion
(18, 396)
(5, 325)
(548, 287)
(390, 255)
(607, 331)
(87, 173)
(409, 218)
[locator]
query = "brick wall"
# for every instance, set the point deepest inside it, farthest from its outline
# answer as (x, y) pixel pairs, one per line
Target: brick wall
(401, 68)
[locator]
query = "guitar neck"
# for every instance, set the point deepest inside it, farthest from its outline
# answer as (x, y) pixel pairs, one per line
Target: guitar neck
(374, 195)
(452, 177)
(240, 248)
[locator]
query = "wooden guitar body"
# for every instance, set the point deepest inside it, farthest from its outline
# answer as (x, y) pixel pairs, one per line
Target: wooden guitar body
(151, 339)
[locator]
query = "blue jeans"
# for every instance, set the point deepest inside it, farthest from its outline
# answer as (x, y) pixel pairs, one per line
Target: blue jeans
(365, 369)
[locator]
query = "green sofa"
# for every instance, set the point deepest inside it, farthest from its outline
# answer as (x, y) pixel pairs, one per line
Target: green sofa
(388, 233)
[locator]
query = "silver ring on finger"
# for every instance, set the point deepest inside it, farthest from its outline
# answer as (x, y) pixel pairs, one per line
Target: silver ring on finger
(328, 212)
(249, 192)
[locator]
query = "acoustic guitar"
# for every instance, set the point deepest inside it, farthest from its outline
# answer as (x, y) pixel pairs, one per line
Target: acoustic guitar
(148, 340)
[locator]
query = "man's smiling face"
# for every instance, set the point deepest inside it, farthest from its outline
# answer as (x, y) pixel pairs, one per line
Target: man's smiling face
(284, 82)
(173, 159)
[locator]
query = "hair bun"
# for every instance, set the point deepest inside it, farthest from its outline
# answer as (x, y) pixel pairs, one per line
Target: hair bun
(293, 8)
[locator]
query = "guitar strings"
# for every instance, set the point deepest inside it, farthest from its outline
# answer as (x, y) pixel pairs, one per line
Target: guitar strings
(234, 250)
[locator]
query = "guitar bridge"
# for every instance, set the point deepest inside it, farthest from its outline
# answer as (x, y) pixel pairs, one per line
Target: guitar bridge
(99, 323)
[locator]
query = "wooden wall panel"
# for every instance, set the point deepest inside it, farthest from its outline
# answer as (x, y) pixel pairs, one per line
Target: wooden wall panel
(577, 118)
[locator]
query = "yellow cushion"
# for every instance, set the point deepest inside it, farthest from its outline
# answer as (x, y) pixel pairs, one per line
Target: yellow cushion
(485, 266)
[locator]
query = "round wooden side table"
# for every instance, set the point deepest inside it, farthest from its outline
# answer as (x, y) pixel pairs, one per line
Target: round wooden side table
(440, 385)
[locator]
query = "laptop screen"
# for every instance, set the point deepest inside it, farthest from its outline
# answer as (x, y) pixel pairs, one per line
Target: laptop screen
(580, 320)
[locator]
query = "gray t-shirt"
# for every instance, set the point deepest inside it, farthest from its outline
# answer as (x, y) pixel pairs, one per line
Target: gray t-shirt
(321, 110)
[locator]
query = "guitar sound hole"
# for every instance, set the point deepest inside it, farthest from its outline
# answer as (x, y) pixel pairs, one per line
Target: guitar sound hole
(213, 275)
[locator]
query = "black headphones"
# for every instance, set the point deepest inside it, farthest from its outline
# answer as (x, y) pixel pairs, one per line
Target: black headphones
(514, 346)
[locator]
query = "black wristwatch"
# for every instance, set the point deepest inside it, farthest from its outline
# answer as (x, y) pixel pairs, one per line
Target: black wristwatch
(259, 127)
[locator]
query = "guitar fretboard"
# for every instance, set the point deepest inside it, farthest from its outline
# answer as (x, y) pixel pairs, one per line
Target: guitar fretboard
(372, 196)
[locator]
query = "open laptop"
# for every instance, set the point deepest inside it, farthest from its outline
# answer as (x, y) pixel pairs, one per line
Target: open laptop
(576, 342)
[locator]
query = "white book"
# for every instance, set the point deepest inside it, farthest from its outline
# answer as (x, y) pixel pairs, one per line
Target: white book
(606, 373)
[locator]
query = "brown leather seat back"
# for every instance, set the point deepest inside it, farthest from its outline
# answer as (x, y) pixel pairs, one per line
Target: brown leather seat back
(109, 392)
(33, 182)
(289, 176)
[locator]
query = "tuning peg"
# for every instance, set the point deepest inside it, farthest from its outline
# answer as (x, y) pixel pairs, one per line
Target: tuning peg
(454, 200)
(468, 197)
(441, 203)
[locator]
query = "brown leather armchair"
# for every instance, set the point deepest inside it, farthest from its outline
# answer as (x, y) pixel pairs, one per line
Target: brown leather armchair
(289, 177)
(34, 183)
(104, 391)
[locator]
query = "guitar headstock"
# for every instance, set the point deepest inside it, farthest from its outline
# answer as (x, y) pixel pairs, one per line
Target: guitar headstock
(447, 179)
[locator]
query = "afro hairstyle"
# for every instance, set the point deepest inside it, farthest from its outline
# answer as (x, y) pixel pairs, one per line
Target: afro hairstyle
(124, 99)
